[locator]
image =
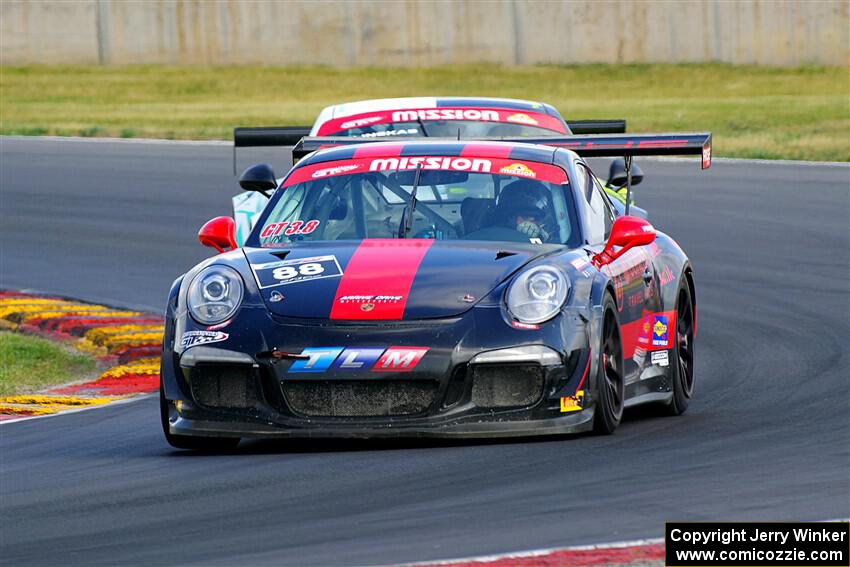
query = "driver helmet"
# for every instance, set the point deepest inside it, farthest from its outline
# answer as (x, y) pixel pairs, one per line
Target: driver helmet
(524, 205)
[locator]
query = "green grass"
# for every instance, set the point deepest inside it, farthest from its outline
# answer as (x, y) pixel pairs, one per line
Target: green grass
(761, 112)
(29, 364)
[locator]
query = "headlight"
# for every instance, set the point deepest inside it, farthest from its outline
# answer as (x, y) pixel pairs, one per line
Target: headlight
(214, 295)
(537, 294)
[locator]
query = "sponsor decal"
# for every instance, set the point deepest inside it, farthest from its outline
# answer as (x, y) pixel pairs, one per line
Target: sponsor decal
(358, 358)
(276, 296)
(289, 228)
(524, 326)
(521, 118)
(659, 330)
(370, 298)
(468, 298)
(385, 133)
(431, 162)
(195, 338)
(479, 159)
(299, 270)
(399, 359)
(445, 114)
(337, 170)
(572, 403)
(660, 357)
(318, 359)
(667, 276)
(374, 359)
(706, 157)
(518, 169)
(359, 122)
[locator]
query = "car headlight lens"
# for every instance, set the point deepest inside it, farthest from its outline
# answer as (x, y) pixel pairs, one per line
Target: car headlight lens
(214, 295)
(537, 294)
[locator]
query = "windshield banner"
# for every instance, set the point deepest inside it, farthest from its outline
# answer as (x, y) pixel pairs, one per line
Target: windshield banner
(501, 166)
(503, 115)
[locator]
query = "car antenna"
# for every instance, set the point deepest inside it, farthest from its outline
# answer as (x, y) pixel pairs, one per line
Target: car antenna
(407, 226)
(628, 160)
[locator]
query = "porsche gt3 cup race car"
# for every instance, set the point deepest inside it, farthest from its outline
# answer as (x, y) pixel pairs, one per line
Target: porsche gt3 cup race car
(432, 288)
(457, 117)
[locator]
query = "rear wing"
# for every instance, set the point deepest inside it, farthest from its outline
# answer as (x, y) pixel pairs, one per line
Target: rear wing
(267, 137)
(270, 136)
(611, 145)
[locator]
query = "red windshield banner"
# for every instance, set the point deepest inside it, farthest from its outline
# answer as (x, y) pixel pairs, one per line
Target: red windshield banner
(471, 164)
(502, 115)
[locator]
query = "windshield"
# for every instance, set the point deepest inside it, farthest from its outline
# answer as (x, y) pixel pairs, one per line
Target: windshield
(444, 123)
(472, 199)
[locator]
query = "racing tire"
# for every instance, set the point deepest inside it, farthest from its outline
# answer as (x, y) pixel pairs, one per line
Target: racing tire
(682, 371)
(205, 444)
(610, 381)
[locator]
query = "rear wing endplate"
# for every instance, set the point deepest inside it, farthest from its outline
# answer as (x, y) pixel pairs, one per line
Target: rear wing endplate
(610, 145)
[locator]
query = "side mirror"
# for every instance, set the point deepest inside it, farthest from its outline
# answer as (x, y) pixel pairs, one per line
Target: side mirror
(626, 233)
(258, 177)
(219, 233)
(617, 173)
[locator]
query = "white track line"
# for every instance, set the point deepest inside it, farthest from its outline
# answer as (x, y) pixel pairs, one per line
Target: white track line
(78, 410)
(230, 143)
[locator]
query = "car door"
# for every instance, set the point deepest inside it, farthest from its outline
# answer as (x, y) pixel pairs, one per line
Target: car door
(632, 274)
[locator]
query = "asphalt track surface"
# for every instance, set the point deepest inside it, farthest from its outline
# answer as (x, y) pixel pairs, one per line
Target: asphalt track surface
(766, 438)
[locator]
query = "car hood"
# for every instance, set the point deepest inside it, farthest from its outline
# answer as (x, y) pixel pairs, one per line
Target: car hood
(384, 279)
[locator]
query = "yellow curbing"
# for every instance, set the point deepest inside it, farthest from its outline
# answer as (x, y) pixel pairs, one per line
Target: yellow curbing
(28, 410)
(100, 334)
(47, 400)
(148, 366)
(133, 377)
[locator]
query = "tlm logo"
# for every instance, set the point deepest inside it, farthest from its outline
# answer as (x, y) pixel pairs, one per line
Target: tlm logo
(376, 359)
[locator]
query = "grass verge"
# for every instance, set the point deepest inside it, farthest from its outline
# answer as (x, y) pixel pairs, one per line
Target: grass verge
(29, 364)
(756, 112)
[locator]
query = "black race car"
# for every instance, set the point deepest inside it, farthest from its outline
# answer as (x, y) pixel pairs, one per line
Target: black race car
(431, 288)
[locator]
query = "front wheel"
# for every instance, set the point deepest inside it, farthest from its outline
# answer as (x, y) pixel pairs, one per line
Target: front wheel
(207, 444)
(683, 353)
(610, 382)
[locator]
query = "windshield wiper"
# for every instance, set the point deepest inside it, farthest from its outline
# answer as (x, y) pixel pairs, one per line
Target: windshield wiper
(407, 214)
(422, 125)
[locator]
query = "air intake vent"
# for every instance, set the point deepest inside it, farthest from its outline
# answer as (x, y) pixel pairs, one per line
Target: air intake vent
(506, 385)
(359, 398)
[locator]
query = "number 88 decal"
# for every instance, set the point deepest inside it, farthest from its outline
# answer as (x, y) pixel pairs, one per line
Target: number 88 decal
(289, 272)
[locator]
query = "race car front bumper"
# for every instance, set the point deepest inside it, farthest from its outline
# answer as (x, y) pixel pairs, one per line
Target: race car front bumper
(522, 385)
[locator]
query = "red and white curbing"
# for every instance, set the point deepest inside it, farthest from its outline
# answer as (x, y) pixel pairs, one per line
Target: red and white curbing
(128, 341)
(620, 553)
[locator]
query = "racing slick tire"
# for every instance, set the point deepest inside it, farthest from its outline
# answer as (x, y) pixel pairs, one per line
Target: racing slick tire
(206, 444)
(610, 382)
(683, 352)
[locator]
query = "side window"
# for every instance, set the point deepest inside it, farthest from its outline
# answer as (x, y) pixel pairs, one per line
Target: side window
(599, 217)
(610, 214)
